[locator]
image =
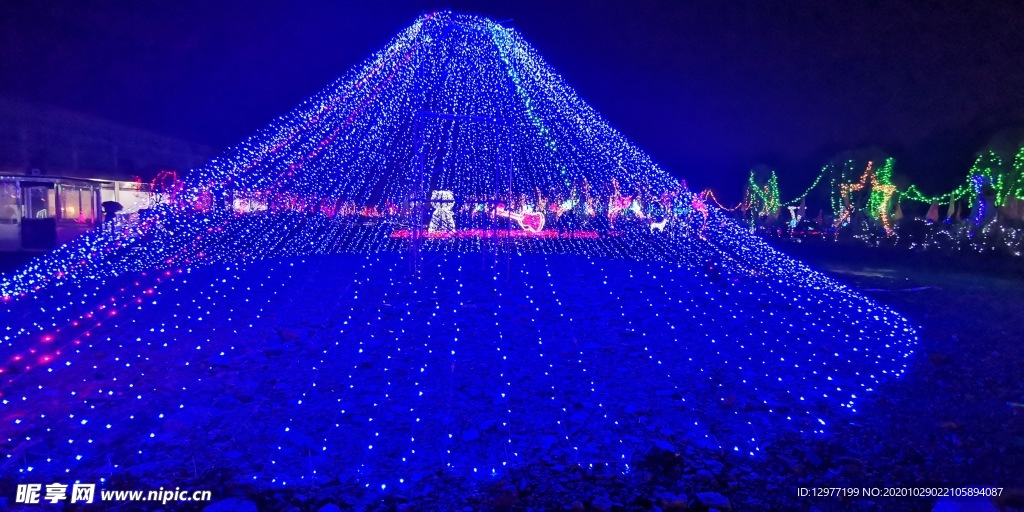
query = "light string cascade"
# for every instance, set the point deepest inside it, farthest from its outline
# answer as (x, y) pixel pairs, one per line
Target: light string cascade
(498, 354)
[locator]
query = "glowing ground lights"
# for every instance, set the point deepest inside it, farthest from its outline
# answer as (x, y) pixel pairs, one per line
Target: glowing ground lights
(473, 368)
(574, 304)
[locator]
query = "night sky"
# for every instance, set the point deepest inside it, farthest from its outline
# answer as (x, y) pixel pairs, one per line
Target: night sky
(708, 88)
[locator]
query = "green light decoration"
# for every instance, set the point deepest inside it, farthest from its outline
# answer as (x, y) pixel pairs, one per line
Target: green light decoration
(881, 190)
(1015, 183)
(912, 193)
(990, 166)
(824, 171)
(1006, 181)
(838, 176)
(764, 196)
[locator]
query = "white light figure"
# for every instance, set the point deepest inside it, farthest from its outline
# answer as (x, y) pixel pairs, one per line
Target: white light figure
(659, 226)
(794, 216)
(442, 219)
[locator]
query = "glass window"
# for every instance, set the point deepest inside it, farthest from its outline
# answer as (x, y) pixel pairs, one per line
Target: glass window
(10, 206)
(70, 206)
(88, 199)
(39, 203)
(76, 203)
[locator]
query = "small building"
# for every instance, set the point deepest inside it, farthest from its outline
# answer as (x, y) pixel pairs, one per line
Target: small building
(58, 167)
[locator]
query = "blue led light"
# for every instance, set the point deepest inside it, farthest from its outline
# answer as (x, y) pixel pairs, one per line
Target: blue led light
(293, 295)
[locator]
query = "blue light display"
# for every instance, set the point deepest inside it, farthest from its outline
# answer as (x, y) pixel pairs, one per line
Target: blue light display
(573, 303)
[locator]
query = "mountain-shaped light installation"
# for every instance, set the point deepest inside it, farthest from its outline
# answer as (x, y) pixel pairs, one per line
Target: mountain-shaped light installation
(455, 138)
(454, 103)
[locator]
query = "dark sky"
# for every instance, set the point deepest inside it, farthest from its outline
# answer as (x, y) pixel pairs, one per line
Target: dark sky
(708, 88)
